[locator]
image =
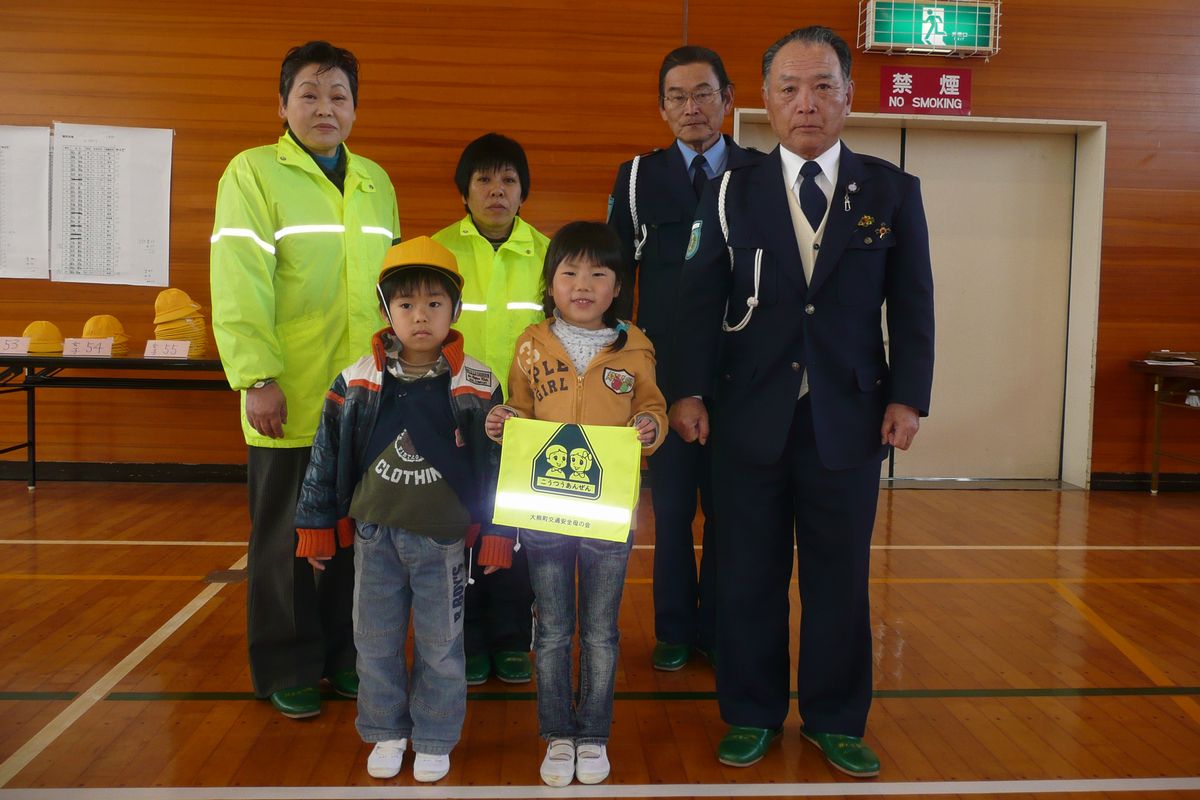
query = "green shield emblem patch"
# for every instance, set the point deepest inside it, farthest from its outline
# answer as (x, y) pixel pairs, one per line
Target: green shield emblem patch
(693, 240)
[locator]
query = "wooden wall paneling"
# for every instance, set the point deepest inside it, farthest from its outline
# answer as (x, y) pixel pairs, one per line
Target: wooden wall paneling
(1130, 64)
(573, 82)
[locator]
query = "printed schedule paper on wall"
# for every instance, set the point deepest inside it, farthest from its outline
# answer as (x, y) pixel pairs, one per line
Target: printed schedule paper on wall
(111, 200)
(24, 202)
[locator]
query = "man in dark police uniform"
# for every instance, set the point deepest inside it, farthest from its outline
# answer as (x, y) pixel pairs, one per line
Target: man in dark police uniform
(694, 95)
(787, 341)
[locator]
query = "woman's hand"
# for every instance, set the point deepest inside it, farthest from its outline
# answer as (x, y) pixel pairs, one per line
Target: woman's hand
(266, 410)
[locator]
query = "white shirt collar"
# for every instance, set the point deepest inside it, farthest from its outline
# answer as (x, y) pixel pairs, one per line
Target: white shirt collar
(829, 162)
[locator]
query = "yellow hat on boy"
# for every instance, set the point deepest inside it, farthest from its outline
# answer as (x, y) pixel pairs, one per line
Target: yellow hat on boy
(422, 252)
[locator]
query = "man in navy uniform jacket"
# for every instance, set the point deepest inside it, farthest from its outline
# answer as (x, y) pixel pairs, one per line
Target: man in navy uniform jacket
(788, 264)
(694, 95)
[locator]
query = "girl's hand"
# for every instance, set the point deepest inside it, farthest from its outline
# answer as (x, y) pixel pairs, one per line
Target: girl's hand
(318, 563)
(647, 428)
(493, 426)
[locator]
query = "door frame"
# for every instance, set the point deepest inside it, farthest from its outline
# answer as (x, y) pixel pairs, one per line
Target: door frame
(1087, 227)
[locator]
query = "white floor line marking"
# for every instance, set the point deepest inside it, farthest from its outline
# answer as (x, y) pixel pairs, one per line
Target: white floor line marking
(1081, 547)
(1166, 548)
(121, 542)
(94, 694)
(857, 789)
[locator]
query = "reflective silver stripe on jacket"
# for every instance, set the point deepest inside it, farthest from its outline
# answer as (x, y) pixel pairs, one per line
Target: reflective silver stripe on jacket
(244, 233)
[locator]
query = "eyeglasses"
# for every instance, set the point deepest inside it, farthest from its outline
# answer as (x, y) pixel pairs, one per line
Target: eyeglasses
(709, 97)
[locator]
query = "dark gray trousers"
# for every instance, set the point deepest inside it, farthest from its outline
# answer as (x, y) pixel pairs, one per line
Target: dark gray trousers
(298, 620)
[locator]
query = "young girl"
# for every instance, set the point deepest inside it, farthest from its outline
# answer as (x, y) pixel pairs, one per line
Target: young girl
(576, 350)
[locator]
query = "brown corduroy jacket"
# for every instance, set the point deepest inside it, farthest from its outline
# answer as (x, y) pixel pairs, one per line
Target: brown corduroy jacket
(615, 388)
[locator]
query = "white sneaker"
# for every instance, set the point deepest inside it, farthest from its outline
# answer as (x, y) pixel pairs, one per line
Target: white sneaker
(386, 758)
(558, 767)
(591, 763)
(429, 768)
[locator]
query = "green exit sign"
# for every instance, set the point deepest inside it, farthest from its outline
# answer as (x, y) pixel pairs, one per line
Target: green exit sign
(956, 27)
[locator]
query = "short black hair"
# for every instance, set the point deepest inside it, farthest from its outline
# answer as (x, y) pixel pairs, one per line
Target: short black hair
(326, 56)
(595, 241)
(692, 54)
(813, 34)
(489, 152)
(412, 279)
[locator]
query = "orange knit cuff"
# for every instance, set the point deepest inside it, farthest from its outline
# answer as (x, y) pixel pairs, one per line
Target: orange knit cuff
(472, 534)
(314, 543)
(345, 532)
(496, 551)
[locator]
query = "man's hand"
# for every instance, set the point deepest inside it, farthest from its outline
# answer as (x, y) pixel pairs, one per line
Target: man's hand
(900, 423)
(266, 410)
(689, 418)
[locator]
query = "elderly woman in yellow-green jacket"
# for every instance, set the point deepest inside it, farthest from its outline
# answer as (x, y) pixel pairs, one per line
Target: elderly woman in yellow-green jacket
(301, 228)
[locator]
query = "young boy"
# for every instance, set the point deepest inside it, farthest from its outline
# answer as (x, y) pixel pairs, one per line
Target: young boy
(402, 469)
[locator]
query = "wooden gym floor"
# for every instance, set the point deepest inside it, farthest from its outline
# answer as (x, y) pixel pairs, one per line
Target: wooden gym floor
(1028, 643)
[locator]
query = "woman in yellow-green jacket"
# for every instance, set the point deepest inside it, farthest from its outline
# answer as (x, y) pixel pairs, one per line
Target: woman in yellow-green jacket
(301, 229)
(500, 257)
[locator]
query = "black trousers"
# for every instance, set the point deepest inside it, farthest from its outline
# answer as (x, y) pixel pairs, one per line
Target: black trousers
(499, 612)
(683, 604)
(762, 511)
(298, 620)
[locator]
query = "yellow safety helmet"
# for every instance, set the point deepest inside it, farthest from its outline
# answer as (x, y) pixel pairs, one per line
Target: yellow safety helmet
(422, 252)
(173, 304)
(44, 337)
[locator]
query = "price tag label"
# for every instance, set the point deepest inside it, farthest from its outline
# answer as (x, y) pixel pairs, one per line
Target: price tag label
(14, 345)
(88, 347)
(167, 348)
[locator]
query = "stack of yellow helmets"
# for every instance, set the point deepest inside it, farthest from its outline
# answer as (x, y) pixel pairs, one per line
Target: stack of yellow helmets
(44, 337)
(178, 317)
(103, 326)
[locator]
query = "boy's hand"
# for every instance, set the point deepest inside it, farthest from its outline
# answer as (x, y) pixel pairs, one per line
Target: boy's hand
(647, 429)
(490, 570)
(317, 563)
(493, 426)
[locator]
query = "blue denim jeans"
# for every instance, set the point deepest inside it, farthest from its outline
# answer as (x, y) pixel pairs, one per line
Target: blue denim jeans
(396, 572)
(584, 715)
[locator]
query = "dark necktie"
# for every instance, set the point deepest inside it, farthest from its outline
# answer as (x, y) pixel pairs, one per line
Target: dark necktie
(699, 176)
(812, 199)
